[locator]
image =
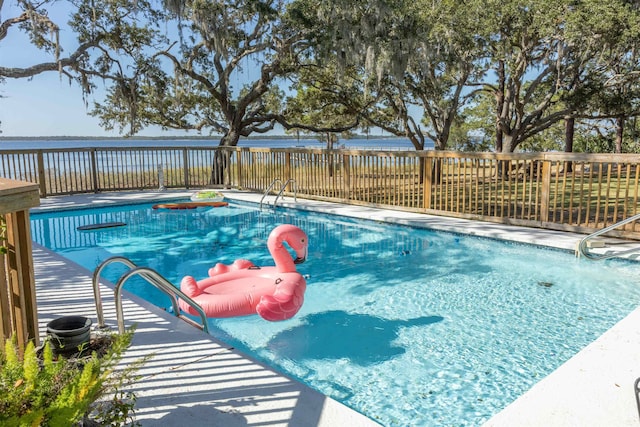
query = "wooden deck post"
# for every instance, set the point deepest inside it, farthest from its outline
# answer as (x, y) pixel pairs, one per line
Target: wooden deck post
(18, 310)
(239, 173)
(426, 185)
(185, 162)
(94, 171)
(41, 176)
(545, 192)
(287, 167)
(346, 173)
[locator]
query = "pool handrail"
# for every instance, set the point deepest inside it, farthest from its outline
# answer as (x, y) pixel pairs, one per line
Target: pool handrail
(269, 189)
(152, 277)
(295, 191)
(582, 247)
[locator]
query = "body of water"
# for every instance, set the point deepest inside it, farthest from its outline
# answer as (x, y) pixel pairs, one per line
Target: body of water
(359, 143)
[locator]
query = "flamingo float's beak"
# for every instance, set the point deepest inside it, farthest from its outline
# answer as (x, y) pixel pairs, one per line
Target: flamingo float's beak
(301, 255)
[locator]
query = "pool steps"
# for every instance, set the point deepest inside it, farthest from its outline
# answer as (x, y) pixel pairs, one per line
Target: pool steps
(282, 188)
(152, 277)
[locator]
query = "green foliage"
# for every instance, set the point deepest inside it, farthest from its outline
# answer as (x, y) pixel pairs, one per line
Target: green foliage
(593, 144)
(600, 137)
(477, 123)
(410, 67)
(464, 137)
(42, 390)
(3, 235)
(214, 68)
(326, 101)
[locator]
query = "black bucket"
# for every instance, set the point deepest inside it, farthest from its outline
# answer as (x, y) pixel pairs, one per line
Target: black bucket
(69, 334)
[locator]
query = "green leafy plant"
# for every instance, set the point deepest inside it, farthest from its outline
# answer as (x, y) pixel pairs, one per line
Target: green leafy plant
(3, 235)
(39, 389)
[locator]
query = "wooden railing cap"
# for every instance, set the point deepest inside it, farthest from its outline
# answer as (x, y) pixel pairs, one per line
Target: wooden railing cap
(17, 195)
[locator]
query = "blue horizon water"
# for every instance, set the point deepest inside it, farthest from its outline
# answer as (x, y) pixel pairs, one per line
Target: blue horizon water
(410, 327)
(276, 142)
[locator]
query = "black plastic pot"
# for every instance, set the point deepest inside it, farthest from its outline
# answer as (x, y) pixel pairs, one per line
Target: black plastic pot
(69, 334)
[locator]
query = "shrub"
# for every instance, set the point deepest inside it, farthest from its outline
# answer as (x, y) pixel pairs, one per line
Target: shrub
(42, 390)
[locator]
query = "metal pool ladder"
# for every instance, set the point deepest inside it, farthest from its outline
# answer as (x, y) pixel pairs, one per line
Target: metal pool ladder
(282, 188)
(582, 249)
(152, 277)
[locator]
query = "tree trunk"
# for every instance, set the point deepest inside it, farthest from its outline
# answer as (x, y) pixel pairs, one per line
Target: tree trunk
(507, 146)
(569, 131)
(436, 176)
(619, 134)
(499, 139)
(417, 140)
(499, 107)
(440, 143)
(221, 158)
(330, 141)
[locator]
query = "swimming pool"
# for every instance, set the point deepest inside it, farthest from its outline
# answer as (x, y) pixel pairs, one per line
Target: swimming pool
(410, 327)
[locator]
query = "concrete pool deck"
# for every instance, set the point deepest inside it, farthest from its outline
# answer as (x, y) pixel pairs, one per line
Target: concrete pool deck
(196, 380)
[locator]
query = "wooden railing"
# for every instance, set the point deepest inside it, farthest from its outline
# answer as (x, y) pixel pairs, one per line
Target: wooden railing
(18, 313)
(87, 170)
(574, 192)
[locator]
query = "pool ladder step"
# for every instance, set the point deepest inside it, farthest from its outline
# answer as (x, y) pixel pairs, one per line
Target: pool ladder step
(152, 277)
(281, 192)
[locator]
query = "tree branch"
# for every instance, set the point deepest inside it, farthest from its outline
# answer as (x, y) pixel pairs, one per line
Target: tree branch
(318, 129)
(4, 27)
(71, 61)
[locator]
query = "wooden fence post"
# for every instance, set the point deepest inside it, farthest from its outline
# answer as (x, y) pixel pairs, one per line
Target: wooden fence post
(41, 177)
(287, 166)
(239, 183)
(426, 189)
(17, 285)
(94, 171)
(346, 173)
(185, 162)
(227, 162)
(545, 191)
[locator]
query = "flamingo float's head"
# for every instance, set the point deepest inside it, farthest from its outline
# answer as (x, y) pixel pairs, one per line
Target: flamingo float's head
(295, 238)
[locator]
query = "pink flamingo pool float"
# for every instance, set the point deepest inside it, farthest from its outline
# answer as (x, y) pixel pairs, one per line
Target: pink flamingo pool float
(242, 288)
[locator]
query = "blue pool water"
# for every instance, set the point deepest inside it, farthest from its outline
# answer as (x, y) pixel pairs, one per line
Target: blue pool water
(411, 327)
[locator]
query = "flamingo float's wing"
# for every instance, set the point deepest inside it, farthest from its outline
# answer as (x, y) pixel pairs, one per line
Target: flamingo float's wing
(287, 299)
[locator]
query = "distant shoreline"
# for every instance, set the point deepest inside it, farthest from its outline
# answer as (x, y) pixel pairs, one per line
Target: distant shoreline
(62, 143)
